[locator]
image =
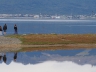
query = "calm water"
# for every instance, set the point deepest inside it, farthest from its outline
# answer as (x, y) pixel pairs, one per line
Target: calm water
(58, 27)
(82, 60)
(51, 61)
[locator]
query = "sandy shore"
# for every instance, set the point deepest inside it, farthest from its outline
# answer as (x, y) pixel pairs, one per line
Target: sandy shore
(9, 44)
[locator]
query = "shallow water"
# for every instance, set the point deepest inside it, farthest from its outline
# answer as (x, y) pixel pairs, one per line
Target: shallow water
(46, 27)
(81, 60)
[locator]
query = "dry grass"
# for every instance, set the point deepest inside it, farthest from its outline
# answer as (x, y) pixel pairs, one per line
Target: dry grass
(32, 42)
(42, 39)
(58, 47)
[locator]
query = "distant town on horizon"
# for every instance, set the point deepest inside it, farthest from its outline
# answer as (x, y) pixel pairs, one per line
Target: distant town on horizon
(46, 16)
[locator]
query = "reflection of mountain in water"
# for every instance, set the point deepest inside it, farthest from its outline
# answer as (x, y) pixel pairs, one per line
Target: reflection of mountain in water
(78, 56)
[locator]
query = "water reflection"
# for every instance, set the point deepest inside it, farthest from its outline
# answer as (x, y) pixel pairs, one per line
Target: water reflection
(50, 61)
(1, 56)
(4, 58)
(15, 56)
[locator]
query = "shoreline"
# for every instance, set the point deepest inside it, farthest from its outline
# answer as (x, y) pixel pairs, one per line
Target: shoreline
(21, 48)
(57, 47)
(63, 45)
(48, 41)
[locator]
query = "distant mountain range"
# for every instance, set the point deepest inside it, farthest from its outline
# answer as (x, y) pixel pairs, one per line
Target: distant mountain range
(47, 6)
